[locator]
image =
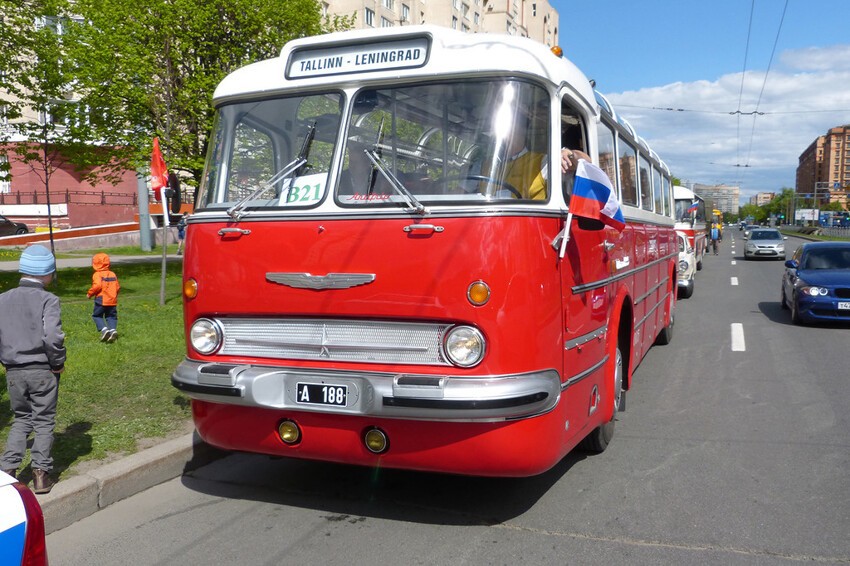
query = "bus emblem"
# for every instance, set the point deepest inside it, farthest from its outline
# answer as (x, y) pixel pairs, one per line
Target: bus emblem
(329, 281)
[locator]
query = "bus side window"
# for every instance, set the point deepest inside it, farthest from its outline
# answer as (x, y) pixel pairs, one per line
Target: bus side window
(572, 137)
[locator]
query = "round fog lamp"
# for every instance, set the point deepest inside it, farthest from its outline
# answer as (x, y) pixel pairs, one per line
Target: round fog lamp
(289, 432)
(376, 441)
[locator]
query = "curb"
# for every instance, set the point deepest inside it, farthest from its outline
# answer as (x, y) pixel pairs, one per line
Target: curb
(80, 496)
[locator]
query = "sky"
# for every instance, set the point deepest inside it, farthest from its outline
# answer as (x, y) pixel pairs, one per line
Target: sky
(716, 63)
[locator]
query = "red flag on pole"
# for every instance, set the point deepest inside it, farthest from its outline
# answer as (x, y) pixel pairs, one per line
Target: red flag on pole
(159, 172)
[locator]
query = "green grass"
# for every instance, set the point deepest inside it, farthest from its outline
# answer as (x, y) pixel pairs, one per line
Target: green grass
(111, 396)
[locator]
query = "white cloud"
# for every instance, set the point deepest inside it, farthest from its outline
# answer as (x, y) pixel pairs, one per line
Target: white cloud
(705, 140)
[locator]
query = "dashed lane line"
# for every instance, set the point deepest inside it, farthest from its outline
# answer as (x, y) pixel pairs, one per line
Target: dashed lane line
(738, 343)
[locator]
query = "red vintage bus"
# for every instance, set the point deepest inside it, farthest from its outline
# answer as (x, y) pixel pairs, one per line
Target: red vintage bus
(374, 275)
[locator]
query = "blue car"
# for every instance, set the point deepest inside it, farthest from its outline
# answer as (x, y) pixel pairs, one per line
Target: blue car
(21, 525)
(816, 283)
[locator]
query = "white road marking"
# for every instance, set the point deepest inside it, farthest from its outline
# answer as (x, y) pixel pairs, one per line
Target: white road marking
(734, 281)
(734, 262)
(738, 344)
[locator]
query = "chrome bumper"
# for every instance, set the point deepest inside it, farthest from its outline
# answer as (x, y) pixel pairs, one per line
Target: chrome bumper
(391, 395)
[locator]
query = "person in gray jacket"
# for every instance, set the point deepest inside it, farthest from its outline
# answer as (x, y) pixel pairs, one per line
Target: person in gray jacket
(32, 348)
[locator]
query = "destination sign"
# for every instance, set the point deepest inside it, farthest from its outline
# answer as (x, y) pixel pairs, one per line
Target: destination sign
(358, 58)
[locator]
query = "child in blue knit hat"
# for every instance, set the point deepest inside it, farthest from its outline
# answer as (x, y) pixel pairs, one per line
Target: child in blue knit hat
(32, 348)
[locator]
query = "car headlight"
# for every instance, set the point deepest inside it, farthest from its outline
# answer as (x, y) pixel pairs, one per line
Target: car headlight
(464, 346)
(683, 266)
(206, 336)
(814, 291)
(751, 246)
(781, 247)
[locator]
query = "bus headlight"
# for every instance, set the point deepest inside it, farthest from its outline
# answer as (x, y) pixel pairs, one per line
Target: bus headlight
(464, 346)
(205, 336)
(683, 266)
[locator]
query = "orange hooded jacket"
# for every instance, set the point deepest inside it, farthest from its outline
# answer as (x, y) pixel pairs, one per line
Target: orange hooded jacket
(104, 283)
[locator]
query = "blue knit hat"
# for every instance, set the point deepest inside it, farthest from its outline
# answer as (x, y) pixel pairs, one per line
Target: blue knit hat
(37, 260)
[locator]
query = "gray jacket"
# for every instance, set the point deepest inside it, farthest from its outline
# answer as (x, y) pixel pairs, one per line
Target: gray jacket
(31, 327)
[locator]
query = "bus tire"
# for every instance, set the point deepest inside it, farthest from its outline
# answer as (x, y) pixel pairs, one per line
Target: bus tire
(598, 440)
(666, 334)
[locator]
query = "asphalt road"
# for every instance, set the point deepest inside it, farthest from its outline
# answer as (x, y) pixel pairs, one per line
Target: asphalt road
(734, 449)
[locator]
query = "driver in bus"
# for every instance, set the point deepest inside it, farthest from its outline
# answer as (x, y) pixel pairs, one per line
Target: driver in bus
(525, 169)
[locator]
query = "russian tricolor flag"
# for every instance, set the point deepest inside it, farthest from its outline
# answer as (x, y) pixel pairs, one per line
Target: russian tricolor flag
(594, 197)
(693, 207)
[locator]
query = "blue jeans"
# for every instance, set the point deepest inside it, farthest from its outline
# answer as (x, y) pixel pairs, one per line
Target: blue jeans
(33, 392)
(104, 317)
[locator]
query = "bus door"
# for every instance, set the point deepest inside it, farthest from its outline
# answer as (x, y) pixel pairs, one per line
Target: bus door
(585, 270)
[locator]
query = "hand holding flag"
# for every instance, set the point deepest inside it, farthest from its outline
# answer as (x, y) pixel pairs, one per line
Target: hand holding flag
(594, 197)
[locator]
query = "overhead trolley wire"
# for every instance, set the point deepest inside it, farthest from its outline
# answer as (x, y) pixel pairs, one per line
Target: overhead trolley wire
(764, 83)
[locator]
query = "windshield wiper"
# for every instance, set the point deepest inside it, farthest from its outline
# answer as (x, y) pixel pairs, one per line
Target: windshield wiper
(237, 211)
(411, 200)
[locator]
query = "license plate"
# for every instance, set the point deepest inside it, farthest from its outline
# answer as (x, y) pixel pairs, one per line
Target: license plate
(321, 394)
(844, 305)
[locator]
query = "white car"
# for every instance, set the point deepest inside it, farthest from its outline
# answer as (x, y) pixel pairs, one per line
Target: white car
(21, 525)
(687, 266)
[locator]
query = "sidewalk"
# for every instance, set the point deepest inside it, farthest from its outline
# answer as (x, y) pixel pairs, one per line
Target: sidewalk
(86, 261)
(82, 495)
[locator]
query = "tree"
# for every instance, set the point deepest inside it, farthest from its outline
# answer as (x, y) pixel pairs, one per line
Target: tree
(38, 93)
(146, 68)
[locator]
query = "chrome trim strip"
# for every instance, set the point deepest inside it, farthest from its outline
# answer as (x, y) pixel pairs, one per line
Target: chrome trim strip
(329, 281)
(586, 373)
(652, 311)
(207, 215)
(586, 338)
(602, 282)
(486, 398)
(651, 291)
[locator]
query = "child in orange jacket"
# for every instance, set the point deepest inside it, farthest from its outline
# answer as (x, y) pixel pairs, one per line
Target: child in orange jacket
(104, 289)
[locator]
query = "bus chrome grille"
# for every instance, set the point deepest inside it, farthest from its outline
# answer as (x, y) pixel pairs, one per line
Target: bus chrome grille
(334, 340)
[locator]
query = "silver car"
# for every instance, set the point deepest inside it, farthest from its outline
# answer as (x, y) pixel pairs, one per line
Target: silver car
(766, 243)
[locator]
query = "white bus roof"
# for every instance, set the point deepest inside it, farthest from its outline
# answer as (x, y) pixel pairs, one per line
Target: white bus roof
(338, 59)
(680, 192)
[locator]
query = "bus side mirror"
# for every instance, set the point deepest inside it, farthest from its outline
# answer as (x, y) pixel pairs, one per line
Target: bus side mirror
(590, 224)
(175, 197)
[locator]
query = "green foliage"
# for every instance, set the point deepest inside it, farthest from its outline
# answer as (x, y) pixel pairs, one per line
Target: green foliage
(147, 68)
(113, 395)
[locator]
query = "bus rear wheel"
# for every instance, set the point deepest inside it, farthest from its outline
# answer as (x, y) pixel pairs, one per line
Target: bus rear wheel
(598, 440)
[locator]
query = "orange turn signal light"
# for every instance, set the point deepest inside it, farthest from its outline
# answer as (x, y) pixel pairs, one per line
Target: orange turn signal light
(190, 288)
(478, 293)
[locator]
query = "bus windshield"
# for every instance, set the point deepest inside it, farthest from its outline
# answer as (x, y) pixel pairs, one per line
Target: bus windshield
(409, 146)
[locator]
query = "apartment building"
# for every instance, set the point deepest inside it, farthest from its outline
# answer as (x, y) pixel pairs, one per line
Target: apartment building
(760, 199)
(535, 19)
(824, 166)
(725, 198)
